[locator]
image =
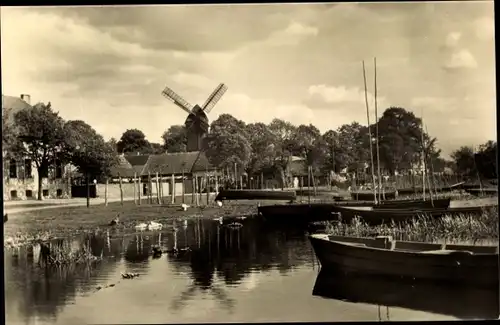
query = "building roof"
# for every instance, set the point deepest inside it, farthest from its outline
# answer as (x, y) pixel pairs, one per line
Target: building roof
(174, 163)
(123, 168)
(11, 105)
(137, 160)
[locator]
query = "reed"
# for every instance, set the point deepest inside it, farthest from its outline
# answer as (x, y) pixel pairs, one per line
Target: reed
(450, 229)
(60, 253)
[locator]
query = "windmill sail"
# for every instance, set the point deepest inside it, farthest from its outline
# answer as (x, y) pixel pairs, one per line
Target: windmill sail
(177, 100)
(214, 98)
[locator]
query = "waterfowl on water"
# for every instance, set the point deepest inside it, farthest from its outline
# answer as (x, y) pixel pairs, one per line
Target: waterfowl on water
(157, 251)
(5, 218)
(219, 203)
(129, 275)
(115, 221)
(141, 226)
(184, 207)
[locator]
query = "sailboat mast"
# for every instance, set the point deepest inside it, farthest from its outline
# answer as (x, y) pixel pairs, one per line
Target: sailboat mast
(370, 135)
(423, 154)
(376, 132)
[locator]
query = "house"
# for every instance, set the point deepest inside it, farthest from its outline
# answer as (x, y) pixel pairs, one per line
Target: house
(181, 166)
(20, 179)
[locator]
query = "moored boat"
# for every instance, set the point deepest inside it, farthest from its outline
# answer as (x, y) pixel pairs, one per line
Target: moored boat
(483, 191)
(382, 256)
(256, 195)
(380, 215)
(305, 212)
(439, 298)
(366, 195)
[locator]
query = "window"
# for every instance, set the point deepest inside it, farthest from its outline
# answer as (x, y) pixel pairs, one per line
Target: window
(28, 173)
(44, 172)
(29, 193)
(59, 192)
(12, 169)
(59, 170)
(13, 194)
(45, 193)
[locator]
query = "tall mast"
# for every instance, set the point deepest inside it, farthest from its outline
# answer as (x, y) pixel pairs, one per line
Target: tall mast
(370, 135)
(422, 153)
(376, 132)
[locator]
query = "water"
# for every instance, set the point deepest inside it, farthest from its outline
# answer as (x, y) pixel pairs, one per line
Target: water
(246, 274)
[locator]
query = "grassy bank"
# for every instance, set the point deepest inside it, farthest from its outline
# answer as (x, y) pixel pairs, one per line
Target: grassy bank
(450, 229)
(66, 221)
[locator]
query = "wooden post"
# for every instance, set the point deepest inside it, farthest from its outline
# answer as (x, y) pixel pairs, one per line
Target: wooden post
(135, 188)
(121, 189)
(157, 188)
(172, 184)
(235, 176)
(216, 183)
(241, 182)
(106, 192)
(208, 189)
(150, 189)
(88, 190)
(193, 191)
(308, 185)
(140, 189)
(313, 181)
(183, 188)
(261, 181)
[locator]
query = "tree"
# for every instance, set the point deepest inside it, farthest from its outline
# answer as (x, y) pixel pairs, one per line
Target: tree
(227, 143)
(156, 148)
(464, 161)
(283, 147)
(11, 146)
(261, 141)
(353, 151)
(113, 143)
(331, 152)
(88, 152)
(175, 139)
(134, 141)
(41, 132)
(400, 139)
(306, 142)
(486, 160)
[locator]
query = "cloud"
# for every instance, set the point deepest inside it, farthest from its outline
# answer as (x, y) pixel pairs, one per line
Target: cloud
(485, 28)
(453, 38)
(461, 59)
(292, 35)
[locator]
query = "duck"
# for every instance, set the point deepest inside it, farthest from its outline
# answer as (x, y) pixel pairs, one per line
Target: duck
(5, 218)
(219, 203)
(220, 219)
(184, 207)
(157, 252)
(129, 275)
(115, 221)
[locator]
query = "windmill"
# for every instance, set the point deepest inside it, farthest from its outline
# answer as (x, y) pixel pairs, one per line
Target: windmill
(197, 120)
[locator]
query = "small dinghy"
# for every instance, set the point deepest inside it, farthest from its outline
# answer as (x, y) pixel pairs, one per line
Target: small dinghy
(256, 195)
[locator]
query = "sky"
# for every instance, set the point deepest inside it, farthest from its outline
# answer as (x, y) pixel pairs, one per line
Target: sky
(299, 62)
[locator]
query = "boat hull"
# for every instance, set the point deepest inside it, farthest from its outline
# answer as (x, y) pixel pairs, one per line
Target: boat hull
(477, 270)
(256, 195)
(329, 211)
(379, 216)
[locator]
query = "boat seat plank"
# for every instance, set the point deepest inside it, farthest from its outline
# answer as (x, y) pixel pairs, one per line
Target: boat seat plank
(417, 246)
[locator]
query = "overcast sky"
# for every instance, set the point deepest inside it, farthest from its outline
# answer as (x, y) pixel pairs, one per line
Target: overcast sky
(108, 65)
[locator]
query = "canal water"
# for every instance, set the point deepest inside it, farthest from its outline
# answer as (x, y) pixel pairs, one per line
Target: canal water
(242, 272)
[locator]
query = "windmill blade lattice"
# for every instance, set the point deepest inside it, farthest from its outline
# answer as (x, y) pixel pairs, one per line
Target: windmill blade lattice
(178, 100)
(214, 98)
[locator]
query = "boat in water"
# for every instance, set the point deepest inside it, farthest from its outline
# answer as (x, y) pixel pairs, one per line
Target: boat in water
(256, 195)
(305, 212)
(368, 195)
(380, 215)
(482, 191)
(438, 298)
(464, 265)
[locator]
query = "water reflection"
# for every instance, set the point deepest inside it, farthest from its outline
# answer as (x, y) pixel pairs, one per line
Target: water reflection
(430, 297)
(213, 254)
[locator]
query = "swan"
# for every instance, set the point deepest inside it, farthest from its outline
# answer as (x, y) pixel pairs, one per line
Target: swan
(154, 225)
(141, 227)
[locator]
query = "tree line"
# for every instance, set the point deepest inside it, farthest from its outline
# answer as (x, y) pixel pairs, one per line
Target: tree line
(40, 134)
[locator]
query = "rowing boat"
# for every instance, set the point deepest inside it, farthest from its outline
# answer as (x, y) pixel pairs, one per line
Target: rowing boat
(438, 298)
(382, 256)
(305, 212)
(256, 195)
(381, 215)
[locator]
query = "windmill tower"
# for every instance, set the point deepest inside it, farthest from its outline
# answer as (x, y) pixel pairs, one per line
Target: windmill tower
(197, 120)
